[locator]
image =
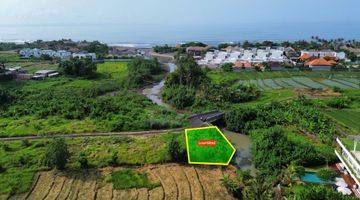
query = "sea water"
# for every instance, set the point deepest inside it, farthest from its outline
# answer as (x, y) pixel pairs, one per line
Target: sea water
(150, 34)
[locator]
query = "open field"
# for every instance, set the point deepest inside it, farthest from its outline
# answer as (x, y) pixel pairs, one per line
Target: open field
(22, 159)
(346, 117)
(176, 182)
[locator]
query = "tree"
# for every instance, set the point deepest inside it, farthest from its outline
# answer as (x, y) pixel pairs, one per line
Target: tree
(57, 154)
(141, 71)
(227, 67)
(113, 161)
(78, 67)
(188, 72)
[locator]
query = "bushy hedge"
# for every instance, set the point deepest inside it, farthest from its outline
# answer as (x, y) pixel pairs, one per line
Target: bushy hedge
(274, 149)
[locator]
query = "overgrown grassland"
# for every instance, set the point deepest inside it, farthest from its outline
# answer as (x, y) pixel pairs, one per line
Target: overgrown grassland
(75, 105)
(21, 159)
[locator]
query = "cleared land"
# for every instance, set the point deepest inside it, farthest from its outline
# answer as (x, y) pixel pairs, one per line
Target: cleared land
(176, 182)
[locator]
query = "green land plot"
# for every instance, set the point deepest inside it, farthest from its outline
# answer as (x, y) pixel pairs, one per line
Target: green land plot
(219, 154)
(348, 117)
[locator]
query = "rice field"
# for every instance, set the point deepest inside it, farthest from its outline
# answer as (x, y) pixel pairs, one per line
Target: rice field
(303, 82)
(347, 117)
(176, 182)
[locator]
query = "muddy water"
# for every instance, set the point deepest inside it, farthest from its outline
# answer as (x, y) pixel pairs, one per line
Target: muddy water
(154, 92)
(242, 144)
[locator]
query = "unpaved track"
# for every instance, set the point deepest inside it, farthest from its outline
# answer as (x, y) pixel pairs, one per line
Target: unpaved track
(178, 182)
(78, 135)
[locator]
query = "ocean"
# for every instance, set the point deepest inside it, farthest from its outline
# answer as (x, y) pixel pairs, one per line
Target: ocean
(149, 35)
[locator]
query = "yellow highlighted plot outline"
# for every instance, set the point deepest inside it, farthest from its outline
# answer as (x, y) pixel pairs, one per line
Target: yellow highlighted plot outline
(208, 163)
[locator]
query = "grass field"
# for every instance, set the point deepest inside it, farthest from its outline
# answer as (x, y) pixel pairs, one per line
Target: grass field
(22, 159)
(347, 117)
(219, 153)
(127, 179)
(116, 70)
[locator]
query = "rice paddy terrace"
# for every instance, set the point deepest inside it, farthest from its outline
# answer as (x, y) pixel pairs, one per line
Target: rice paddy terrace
(304, 82)
(177, 182)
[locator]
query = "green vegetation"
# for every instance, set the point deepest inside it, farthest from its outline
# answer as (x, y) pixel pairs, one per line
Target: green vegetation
(126, 179)
(20, 161)
(227, 67)
(78, 67)
(316, 192)
(188, 87)
(298, 113)
(327, 174)
(346, 117)
(57, 154)
(65, 44)
(68, 105)
(142, 72)
(219, 153)
(164, 49)
(273, 150)
(177, 150)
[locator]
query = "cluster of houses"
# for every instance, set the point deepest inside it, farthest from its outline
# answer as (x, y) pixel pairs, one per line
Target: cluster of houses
(61, 54)
(321, 60)
(259, 59)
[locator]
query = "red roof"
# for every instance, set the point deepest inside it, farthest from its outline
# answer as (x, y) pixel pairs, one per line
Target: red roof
(304, 57)
(240, 64)
(320, 62)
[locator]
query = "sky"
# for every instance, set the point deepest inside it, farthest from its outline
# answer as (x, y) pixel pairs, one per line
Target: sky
(182, 12)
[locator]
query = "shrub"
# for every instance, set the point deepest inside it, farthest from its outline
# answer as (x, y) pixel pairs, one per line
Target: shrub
(82, 160)
(2, 169)
(227, 67)
(338, 103)
(126, 179)
(57, 154)
(180, 96)
(25, 143)
(177, 153)
(113, 161)
(327, 174)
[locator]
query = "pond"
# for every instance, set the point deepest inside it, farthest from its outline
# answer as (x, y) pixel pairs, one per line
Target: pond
(311, 177)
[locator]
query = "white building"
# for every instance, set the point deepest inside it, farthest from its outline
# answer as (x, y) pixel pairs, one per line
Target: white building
(325, 53)
(84, 55)
(37, 53)
(276, 55)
